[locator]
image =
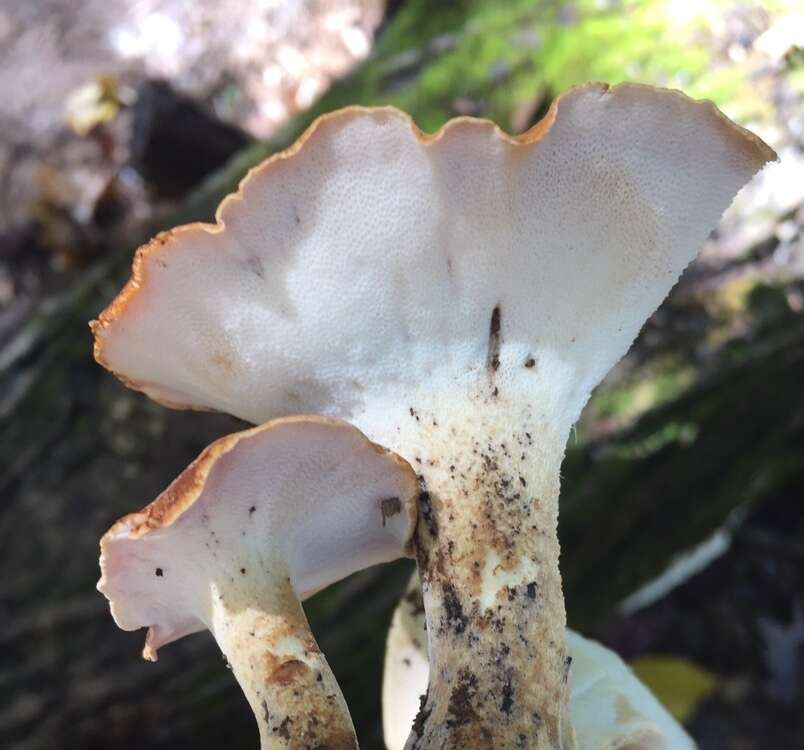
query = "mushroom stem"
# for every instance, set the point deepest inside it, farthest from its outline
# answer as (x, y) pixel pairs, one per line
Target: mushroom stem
(488, 559)
(268, 644)
(610, 708)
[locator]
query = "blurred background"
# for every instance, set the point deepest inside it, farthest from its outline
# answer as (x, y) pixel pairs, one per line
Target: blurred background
(683, 503)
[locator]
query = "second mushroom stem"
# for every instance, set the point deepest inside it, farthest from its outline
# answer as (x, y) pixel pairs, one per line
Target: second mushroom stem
(268, 644)
(488, 559)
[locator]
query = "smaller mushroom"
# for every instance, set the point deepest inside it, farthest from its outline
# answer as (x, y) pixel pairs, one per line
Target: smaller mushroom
(260, 520)
(609, 707)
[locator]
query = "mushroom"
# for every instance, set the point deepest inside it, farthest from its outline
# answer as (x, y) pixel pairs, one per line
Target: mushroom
(456, 296)
(260, 520)
(610, 709)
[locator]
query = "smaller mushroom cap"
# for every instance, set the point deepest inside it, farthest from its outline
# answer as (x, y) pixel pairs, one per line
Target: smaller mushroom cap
(610, 708)
(307, 499)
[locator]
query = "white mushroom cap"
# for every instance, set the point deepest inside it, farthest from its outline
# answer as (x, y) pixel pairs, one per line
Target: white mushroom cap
(368, 259)
(308, 499)
(609, 707)
(406, 670)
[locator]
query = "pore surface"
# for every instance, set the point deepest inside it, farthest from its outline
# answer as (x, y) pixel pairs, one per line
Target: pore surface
(369, 258)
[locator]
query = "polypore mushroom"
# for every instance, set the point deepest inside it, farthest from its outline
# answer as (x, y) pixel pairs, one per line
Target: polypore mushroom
(609, 707)
(456, 296)
(260, 520)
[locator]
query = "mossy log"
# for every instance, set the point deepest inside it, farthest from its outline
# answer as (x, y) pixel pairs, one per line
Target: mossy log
(632, 502)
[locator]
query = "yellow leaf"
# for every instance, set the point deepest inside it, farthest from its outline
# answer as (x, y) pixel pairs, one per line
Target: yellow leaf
(681, 685)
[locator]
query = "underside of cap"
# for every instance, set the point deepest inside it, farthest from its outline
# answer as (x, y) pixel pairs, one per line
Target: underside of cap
(370, 257)
(304, 500)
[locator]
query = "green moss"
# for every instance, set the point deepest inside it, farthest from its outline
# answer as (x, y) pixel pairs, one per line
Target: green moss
(641, 390)
(680, 433)
(500, 55)
(669, 480)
